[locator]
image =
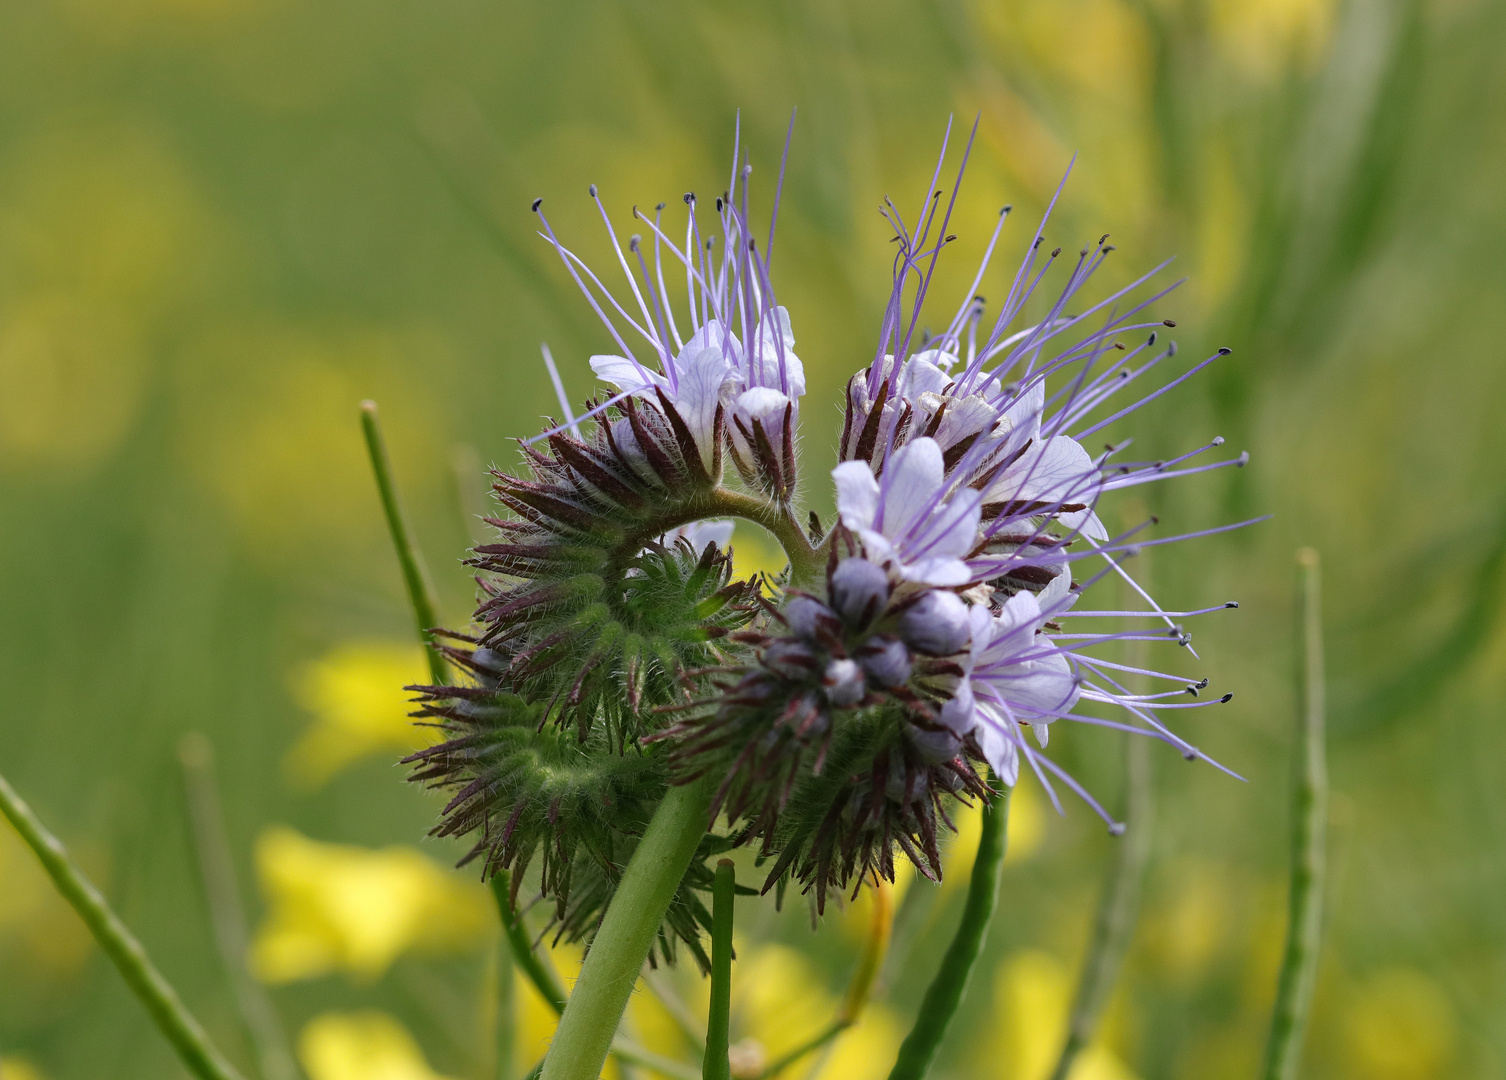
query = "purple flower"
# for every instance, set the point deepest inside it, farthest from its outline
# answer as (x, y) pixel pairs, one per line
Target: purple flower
(1014, 675)
(907, 521)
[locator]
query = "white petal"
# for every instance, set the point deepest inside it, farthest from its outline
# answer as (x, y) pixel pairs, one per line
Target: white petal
(1042, 733)
(952, 528)
(763, 404)
(857, 494)
(1061, 472)
(998, 748)
(764, 368)
(942, 571)
(915, 475)
(623, 373)
(699, 391)
(1024, 412)
(920, 376)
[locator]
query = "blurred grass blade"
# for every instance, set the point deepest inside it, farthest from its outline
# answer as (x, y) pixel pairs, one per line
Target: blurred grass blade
(946, 989)
(217, 869)
(544, 978)
(715, 1065)
(859, 987)
(199, 1055)
(420, 592)
(1294, 990)
(1117, 911)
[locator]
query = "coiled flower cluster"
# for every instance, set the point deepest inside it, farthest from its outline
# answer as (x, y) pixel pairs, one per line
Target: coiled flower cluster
(911, 655)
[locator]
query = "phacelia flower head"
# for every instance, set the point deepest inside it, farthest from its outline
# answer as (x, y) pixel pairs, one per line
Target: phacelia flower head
(917, 651)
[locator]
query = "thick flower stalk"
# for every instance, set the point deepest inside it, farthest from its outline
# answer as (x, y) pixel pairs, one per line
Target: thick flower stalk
(833, 716)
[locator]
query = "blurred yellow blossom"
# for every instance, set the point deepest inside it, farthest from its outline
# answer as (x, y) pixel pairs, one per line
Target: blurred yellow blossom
(334, 907)
(1182, 933)
(361, 1046)
(1399, 1026)
(40, 936)
(355, 693)
(14, 1068)
(1032, 995)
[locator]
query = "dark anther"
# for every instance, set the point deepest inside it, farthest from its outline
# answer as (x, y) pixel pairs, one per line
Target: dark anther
(536, 204)
(949, 239)
(1119, 345)
(1007, 208)
(718, 204)
(1102, 238)
(1224, 351)
(1171, 349)
(592, 190)
(659, 207)
(1227, 697)
(689, 198)
(1109, 248)
(1155, 520)
(1152, 340)
(1168, 322)
(634, 241)
(1232, 603)
(1055, 252)
(1218, 440)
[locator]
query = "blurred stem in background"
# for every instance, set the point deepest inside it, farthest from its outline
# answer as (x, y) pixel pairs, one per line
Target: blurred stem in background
(1114, 925)
(222, 895)
(859, 987)
(946, 989)
(420, 591)
(1304, 934)
(1119, 907)
(199, 1055)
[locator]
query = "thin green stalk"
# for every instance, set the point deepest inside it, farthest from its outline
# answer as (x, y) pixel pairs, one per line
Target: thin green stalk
(1304, 935)
(420, 591)
(627, 931)
(539, 971)
(199, 1055)
(715, 1065)
(1118, 909)
(946, 989)
(859, 987)
(217, 869)
(637, 1055)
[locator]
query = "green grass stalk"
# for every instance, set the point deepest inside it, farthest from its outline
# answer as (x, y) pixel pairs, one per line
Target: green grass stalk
(415, 577)
(199, 1055)
(1114, 924)
(1304, 935)
(627, 932)
(538, 970)
(946, 989)
(715, 1065)
(274, 1057)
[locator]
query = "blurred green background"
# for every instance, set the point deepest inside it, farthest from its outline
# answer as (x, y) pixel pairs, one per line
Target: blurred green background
(224, 222)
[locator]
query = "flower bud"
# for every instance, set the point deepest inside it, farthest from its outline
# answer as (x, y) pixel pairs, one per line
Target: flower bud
(934, 747)
(859, 591)
(790, 659)
(886, 660)
(805, 615)
(937, 624)
(844, 683)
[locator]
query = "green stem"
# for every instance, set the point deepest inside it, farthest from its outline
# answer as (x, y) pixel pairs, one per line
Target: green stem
(715, 1065)
(807, 561)
(1304, 936)
(946, 990)
(543, 976)
(627, 932)
(1117, 911)
(228, 918)
(161, 1001)
(420, 592)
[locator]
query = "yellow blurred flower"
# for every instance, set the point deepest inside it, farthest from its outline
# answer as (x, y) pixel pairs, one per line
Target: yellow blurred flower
(14, 1068)
(1399, 1026)
(361, 1046)
(1182, 934)
(1032, 995)
(335, 907)
(355, 693)
(39, 933)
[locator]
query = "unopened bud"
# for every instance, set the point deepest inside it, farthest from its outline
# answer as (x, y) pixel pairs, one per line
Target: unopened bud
(805, 614)
(844, 683)
(886, 660)
(859, 590)
(937, 624)
(934, 747)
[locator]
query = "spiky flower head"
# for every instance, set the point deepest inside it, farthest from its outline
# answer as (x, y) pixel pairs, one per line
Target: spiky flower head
(838, 712)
